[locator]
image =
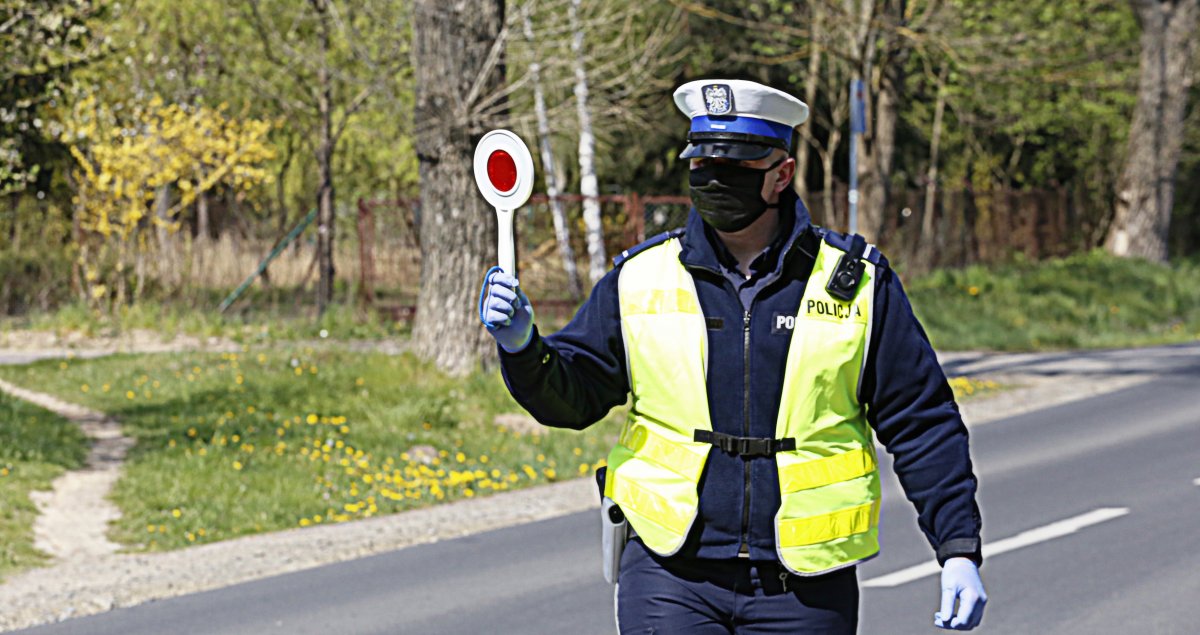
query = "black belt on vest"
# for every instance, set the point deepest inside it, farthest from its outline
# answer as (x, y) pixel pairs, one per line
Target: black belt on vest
(744, 446)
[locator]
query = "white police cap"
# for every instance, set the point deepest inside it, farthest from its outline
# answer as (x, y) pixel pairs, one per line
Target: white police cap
(737, 119)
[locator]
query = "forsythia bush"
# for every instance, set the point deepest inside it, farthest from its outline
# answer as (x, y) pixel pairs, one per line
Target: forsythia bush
(124, 161)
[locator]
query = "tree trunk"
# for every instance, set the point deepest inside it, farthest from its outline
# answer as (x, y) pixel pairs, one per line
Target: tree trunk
(811, 79)
(929, 245)
(881, 52)
(78, 286)
(1146, 189)
(168, 251)
(202, 221)
(588, 185)
(450, 50)
(561, 230)
(831, 219)
(325, 208)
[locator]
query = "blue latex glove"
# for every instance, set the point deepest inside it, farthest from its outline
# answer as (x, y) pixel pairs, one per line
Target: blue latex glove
(960, 581)
(505, 311)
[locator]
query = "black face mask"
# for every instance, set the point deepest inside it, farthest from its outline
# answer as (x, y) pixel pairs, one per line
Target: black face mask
(728, 196)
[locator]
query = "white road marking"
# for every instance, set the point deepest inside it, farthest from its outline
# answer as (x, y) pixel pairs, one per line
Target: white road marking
(1196, 482)
(1023, 539)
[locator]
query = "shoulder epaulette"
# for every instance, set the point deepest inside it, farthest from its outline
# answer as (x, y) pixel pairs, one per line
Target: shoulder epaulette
(643, 246)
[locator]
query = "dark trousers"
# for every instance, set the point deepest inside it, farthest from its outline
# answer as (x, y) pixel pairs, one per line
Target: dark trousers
(669, 596)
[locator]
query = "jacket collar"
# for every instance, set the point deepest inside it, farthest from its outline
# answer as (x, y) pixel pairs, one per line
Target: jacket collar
(698, 251)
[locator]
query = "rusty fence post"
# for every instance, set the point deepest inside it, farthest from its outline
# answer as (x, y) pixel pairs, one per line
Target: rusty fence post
(366, 253)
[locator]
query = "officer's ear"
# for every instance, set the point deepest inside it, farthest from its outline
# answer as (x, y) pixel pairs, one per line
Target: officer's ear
(787, 170)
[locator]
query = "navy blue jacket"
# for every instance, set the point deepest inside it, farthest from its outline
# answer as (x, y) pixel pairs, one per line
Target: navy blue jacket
(572, 378)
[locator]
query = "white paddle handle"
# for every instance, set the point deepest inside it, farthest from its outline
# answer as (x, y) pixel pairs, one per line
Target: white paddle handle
(505, 248)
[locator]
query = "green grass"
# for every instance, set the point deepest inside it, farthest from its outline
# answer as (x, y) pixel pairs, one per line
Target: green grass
(1084, 301)
(246, 324)
(233, 444)
(35, 447)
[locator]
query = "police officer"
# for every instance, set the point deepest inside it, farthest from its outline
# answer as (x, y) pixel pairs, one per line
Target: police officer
(762, 354)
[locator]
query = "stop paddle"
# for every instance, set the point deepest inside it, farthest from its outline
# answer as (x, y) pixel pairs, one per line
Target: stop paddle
(504, 174)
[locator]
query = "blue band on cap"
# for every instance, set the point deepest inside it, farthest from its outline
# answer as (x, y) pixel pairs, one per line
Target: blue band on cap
(746, 125)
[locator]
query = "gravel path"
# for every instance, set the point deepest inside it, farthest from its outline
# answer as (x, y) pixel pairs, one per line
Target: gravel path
(89, 584)
(73, 515)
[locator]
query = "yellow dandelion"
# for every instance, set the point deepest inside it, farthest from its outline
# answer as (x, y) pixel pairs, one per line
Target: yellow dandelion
(176, 513)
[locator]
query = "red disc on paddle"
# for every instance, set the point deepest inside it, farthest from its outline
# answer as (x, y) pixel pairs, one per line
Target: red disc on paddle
(502, 171)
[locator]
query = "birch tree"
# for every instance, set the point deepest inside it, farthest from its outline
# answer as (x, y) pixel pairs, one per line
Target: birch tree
(549, 171)
(588, 185)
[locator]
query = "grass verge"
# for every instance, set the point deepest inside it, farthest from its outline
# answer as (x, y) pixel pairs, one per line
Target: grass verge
(249, 326)
(35, 447)
(1090, 300)
(233, 444)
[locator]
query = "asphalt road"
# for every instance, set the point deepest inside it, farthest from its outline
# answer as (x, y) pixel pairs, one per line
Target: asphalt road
(1122, 470)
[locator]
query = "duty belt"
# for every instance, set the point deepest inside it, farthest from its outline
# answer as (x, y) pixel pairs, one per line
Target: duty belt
(744, 446)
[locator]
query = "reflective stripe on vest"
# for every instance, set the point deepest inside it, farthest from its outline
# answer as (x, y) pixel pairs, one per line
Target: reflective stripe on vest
(829, 511)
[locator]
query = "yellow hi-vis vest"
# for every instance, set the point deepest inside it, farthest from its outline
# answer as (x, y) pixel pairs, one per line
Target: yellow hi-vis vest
(829, 513)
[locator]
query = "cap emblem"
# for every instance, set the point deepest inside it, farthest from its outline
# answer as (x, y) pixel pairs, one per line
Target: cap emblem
(718, 99)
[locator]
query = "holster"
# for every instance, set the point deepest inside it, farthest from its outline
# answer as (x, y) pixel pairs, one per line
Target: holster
(614, 532)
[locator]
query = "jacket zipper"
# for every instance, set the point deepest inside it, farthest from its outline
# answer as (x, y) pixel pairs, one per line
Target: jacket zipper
(745, 546)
